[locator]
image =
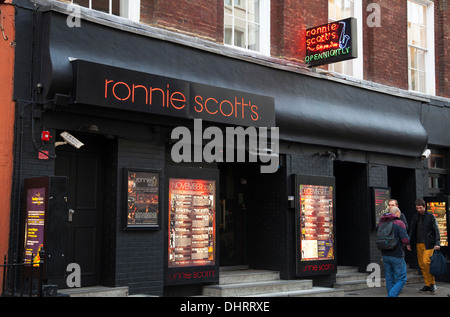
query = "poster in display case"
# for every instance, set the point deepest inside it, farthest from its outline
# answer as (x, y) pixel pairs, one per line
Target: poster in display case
(45, 226)
(191, 222)
(191, 230)
(36, 201)
(439, 207)
(142, 199)
(315, 225)
(380, 202)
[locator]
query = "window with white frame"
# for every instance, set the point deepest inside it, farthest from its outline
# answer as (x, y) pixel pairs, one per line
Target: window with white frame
(342, 9)
(129, 9)
(247, 24)
(421, 46)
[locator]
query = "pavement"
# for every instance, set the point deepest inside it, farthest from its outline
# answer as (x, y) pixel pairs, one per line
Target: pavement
(410, 290)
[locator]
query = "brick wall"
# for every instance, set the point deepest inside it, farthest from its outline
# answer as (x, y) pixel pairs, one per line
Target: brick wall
(202, 18)
(290, 19)
(27, 165)
(442, 49)
(385, 47)
(378, 177)
(139, 254)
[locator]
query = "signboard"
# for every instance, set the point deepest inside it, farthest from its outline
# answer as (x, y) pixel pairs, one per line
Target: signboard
(380, 202)
(191, 255)
(331, 42)
(143, 199)
(113, 87)
(439, 210)
(315, 225)
(192, 213)
(34, 224)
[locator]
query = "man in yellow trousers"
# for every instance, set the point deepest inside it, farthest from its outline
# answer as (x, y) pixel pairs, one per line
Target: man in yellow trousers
(424, 235)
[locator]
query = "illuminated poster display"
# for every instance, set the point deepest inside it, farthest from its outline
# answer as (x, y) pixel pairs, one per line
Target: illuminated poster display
(331, 43)
(143, 197)
(315, 225)
(438, 209)
(34, 224)
(191, 222)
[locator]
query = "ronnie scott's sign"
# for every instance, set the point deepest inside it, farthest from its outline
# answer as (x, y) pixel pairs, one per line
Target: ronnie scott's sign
(331, 43)
(113, 87)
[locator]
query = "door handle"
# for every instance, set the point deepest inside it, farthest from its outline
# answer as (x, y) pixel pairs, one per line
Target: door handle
(71, 212)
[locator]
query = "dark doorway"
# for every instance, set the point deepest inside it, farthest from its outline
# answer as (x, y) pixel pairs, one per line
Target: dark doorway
(84, 167)
(402, 182)
(352, 214)
(234, 196)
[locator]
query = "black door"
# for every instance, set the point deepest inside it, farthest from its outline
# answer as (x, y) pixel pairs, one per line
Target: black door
(232, 214)
(84, 168)
(353, 214)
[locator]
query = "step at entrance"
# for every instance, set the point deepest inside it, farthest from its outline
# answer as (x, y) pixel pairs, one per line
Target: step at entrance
(95, 291)
(262, 283)
(349, 279)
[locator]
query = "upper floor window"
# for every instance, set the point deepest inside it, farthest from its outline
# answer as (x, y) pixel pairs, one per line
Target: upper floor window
(342, 9)
(421, 46)
(437, 173)
(129, 9)
(247, 24)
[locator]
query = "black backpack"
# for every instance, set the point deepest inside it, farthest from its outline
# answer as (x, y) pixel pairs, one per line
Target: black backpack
(386, 238)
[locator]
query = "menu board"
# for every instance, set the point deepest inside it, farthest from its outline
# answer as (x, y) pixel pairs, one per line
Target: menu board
(34, 224)
(381, 198)
(316, 222)
(191, 222)
(142, 199)
(438, 209)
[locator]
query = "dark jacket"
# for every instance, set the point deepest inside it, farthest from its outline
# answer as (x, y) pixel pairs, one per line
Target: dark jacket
(430, 230)
(400, 233)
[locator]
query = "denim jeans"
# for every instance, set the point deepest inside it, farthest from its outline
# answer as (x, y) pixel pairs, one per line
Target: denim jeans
(395, 273)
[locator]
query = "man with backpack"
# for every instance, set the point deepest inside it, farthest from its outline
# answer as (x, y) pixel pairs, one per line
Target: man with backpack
(391, 238)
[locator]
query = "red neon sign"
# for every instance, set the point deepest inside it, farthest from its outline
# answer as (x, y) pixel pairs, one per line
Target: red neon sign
(332, 42)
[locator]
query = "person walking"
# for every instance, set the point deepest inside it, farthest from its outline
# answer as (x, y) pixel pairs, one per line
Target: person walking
(394, 203)
(425, 237)
(394, 259)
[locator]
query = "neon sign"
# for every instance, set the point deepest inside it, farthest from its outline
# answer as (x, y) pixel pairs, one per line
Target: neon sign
(331, 43)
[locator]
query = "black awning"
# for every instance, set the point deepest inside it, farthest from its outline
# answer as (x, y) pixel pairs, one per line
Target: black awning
(307, 109)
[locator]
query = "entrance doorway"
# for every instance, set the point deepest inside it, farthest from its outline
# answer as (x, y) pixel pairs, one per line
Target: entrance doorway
(84, 168)
(233, 214)
(352, 214)
(402, 182)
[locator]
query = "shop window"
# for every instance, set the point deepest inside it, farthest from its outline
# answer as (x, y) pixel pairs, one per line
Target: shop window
(342, 9)
(129, 9)
(247, 24)
(436, 159)
(421, 46)
(437, 173)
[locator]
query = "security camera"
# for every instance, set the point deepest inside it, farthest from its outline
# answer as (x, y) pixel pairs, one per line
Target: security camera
(69, 138)
(425, 154)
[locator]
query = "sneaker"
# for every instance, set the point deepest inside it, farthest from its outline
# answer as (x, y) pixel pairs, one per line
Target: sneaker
(425, 289)
(433, 289)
